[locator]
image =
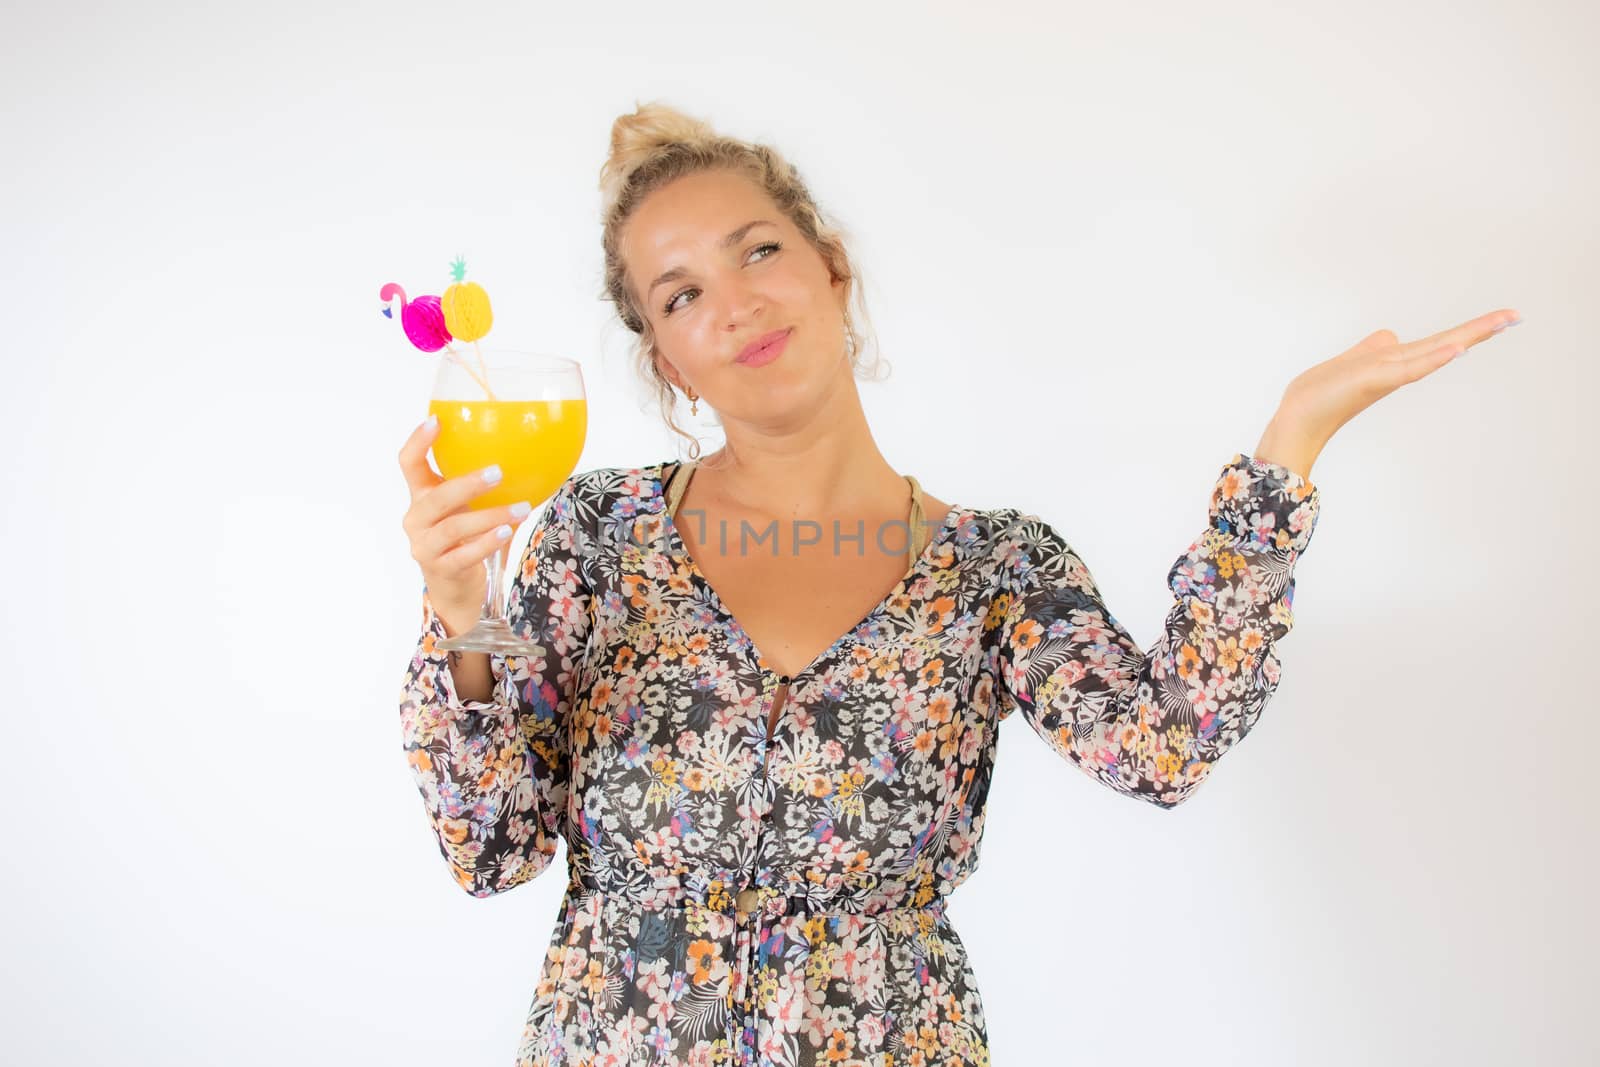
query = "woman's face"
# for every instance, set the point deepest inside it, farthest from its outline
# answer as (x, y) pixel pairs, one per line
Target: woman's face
(721, 295)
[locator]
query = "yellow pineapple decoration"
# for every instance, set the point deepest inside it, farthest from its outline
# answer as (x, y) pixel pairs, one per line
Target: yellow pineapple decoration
(466, 306)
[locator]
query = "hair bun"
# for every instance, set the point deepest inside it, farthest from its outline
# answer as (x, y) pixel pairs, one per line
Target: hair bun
(637, 136)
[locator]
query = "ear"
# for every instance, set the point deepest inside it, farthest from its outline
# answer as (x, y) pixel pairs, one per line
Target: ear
(668, 371)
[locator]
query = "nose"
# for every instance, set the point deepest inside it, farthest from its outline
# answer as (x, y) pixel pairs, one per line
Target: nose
(741, 303)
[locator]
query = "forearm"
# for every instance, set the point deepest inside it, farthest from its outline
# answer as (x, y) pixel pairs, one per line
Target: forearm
(493, 786)
(491, 797)
(1151, 724)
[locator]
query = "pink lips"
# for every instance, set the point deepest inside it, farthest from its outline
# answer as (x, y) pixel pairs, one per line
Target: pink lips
(764, 349)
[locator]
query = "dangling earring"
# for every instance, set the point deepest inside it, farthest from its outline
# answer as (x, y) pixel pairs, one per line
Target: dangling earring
(694, 402)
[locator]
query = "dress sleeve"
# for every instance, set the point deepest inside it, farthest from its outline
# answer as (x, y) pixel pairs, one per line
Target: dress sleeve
(1151, 724)
(494, 775)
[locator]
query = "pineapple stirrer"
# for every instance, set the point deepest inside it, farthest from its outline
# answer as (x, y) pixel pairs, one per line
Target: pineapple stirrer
(467, 315)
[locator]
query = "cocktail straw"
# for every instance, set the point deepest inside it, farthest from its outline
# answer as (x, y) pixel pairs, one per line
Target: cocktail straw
(484, 366)
(483, 382)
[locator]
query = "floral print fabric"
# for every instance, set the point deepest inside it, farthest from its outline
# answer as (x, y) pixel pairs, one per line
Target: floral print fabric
(732, 900)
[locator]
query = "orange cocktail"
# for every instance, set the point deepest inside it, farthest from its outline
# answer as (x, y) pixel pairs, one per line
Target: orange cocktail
(536, 443)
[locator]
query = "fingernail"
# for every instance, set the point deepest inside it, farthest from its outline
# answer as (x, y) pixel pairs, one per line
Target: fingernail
(520, 509)
(491, 473)
(1503, 325)
(430, 424)
(502, 532)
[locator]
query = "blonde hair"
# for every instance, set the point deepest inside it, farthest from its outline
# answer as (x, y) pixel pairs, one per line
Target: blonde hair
(656, 144)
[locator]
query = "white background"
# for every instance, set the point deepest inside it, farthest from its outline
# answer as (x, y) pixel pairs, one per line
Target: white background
(1097, 242)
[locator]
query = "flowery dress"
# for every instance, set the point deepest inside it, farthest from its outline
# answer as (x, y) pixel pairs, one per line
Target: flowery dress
(735, 899)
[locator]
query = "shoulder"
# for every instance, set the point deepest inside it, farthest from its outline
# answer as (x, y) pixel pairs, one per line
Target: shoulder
(594, 497)
(999, 538)
(1013, 543)
(598, 483)
(996, 528)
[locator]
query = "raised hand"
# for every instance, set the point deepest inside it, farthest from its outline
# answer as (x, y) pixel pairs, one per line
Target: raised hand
(1325, 397)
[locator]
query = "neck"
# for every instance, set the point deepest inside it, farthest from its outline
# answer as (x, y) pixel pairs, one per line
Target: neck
(827, 463)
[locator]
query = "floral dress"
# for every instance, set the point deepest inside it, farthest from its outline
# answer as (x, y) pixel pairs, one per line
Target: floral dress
(735, 898)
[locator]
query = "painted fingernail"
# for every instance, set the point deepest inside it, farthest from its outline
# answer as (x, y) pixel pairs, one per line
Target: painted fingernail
(1503, 325)
(491, 473)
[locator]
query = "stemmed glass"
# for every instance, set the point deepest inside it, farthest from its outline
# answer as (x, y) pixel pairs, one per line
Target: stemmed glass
(526, 411)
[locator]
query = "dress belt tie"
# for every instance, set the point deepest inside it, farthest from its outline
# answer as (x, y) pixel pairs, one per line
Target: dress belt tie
(753, 910)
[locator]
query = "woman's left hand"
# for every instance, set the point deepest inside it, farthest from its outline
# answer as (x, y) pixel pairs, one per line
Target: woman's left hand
(1330, 394)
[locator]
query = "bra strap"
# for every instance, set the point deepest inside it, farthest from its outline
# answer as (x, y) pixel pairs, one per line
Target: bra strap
(678, 481)
(920, 534)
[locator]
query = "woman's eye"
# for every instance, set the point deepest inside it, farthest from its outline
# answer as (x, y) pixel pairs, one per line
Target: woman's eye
(673, 302)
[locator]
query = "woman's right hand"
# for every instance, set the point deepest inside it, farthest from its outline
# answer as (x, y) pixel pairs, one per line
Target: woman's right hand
(450, 540)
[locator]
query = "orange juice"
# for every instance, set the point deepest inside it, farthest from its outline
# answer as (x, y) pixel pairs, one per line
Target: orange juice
(536, 443)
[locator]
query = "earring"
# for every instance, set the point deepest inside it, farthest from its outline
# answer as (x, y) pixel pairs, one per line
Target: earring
(694, 402)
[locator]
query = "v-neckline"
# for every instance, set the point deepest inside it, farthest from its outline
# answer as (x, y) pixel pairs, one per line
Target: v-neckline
(678, 548)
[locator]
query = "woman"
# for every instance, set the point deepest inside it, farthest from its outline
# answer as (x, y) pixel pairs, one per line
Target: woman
(770, 764)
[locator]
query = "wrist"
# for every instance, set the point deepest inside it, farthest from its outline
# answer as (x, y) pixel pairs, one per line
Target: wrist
(1287, 447)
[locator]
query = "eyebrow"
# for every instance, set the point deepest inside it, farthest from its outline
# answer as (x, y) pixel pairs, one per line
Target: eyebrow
(727, 242)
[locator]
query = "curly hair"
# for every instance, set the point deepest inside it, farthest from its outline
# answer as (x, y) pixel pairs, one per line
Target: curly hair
(656, 144)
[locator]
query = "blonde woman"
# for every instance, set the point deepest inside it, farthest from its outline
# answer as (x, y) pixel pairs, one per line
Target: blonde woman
(767, 718)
